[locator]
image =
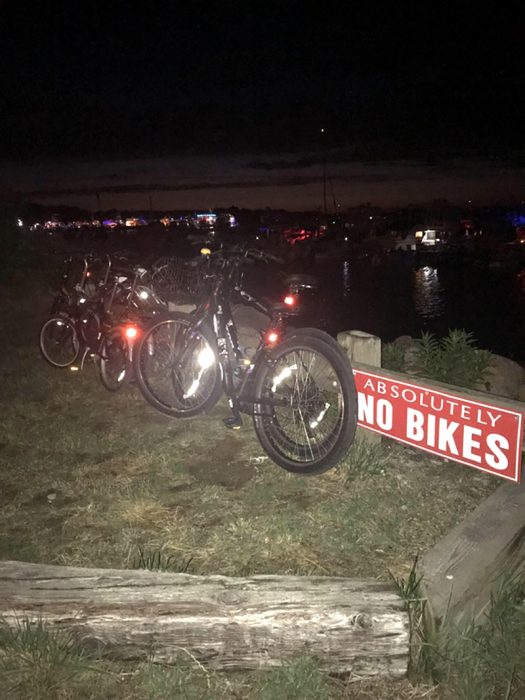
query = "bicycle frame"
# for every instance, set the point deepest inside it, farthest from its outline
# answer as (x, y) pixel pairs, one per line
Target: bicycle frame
(101, 310)
(217, 312)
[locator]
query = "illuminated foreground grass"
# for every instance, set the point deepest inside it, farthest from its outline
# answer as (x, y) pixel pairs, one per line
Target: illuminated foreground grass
(89, 478)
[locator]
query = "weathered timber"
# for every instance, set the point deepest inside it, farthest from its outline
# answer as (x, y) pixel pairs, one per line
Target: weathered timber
(226, 623)
(462, 570)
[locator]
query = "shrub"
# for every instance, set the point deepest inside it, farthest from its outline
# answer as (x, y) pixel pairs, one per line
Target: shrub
(454, 359)
(392, 357)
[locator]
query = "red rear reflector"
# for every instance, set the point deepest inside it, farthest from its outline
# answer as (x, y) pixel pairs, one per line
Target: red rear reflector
(131, 332)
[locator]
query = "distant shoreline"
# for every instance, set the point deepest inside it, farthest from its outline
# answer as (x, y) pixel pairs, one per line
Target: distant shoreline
(294, 182)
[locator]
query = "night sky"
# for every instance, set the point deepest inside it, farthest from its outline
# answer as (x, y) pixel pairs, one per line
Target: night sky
(409, 80)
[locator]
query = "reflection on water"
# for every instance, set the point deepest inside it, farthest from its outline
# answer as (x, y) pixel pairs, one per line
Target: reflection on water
(346, 278)
(396, 299)
(428, 299)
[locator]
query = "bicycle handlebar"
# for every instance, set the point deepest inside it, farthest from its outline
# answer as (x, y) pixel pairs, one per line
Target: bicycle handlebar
(242, 253)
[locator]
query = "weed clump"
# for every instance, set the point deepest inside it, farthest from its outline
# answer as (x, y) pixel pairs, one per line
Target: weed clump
(474, 658)
(393, 357)
(365, 458)
(454, 359)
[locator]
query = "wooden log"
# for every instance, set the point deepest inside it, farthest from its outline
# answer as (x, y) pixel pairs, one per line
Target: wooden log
(225, 623)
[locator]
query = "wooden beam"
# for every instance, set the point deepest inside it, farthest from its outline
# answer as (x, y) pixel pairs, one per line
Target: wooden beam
(462, 569)
(226, 623)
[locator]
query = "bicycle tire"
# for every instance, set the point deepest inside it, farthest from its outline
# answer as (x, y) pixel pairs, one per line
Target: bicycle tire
(311, 422)
(170, 370)
(114, 364)
(58, 341)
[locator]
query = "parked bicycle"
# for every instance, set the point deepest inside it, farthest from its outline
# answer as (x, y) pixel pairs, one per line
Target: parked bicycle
(101, 322)
(297, 386)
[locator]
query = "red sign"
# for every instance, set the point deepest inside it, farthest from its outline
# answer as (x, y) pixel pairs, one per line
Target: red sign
(480, 435)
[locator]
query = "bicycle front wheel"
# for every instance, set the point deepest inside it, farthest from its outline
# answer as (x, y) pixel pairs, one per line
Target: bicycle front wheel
(177, 367)
(58, 341)
(114, 364)
(305, 404)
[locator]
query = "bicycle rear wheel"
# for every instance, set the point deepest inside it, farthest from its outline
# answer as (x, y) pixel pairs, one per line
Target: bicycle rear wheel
(177, 367)
(114, 364)
(307, 415)
(58, 341)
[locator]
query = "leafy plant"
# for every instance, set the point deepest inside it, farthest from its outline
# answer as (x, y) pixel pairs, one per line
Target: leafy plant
(392, 357)
(454, 359)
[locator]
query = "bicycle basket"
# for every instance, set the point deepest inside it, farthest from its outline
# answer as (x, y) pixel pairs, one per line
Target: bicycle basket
(178, 280)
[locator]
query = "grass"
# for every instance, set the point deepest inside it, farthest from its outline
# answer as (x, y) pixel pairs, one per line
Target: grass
(37, 662)
(471, 659)
(100, 477)
(89, 478)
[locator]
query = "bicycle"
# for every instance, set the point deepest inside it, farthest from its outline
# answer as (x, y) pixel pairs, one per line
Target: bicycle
(297, 386)
(103, 325)
(58, 339)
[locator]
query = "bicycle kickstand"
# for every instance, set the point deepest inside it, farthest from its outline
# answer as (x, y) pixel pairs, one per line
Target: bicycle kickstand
(235, 420)
(84, 355)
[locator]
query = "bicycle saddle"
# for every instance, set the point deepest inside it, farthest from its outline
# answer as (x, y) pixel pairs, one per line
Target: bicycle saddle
(285, 310)
(301, 281)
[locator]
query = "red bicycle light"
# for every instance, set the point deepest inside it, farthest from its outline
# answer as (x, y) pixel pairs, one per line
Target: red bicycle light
(272, 337)
(131, 332)
(290, 300)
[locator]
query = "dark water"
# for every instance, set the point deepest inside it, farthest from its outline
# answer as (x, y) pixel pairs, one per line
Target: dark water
(395, 299)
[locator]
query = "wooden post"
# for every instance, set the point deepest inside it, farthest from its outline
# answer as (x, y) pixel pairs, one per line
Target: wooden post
(349, 625)
(362, 348)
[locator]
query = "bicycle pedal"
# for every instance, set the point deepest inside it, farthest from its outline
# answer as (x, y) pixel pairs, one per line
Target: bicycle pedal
(233, 422)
